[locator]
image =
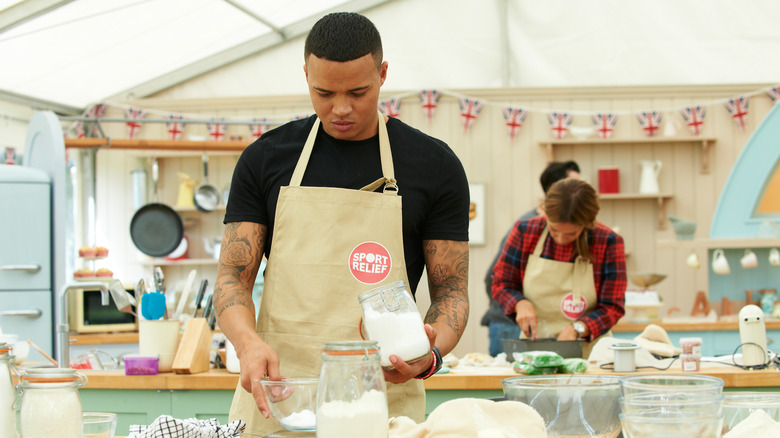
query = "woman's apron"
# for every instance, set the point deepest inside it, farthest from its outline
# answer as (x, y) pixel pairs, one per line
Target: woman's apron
(561, 292)
(330, 244)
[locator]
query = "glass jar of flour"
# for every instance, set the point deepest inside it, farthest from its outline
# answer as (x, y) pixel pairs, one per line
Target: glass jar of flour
(391, 318)
(7, 393)
(351, 397)
(50, 403)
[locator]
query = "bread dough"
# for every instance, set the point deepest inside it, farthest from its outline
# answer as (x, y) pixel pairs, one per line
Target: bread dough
(472, 418)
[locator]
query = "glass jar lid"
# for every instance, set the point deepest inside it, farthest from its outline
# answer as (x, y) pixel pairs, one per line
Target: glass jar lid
(385, 287)
(4, 348)
(35, 376)
(350, 348)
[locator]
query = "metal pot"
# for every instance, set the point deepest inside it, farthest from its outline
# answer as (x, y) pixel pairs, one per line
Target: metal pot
(206, 196)
(156, 229)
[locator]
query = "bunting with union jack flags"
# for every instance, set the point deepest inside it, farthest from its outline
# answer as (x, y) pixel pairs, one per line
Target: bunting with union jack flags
(300, 116)
(514, 118)
(429, 99)
(694, 117)
(605, 124)
(773, 94)
(95, 112)
(175, 126)
(217, 129)
(133, 116)
(390, 107)
(469, 111)
(738, 108)
(258, 129)
(650, 121)
(559, 123)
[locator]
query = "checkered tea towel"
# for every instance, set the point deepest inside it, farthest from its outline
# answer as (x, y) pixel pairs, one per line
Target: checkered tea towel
(166, 426)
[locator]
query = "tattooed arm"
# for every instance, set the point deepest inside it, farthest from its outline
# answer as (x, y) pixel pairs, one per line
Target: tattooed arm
(242, 252)
(447, 264)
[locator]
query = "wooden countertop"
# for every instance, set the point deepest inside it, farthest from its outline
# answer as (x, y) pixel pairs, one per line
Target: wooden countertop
(772, 324)
(221, 380)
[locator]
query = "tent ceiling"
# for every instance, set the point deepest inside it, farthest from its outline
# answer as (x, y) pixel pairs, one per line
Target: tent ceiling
(70, 53)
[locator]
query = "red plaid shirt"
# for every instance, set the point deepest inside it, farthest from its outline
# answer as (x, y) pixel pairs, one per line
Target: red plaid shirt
(609, 270)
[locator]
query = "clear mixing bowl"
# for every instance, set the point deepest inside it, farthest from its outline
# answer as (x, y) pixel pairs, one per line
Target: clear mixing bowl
(738, 405)
(679, 424)
(650, 402)
(571, 405)
(692, 384)
(293, 401)
(98, 424)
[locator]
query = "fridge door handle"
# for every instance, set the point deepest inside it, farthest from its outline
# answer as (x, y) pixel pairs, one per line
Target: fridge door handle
(33, 313)
(29, 268)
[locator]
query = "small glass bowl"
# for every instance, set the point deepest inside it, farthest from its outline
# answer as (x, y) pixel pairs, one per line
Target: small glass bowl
(293, 402)
(98, 424)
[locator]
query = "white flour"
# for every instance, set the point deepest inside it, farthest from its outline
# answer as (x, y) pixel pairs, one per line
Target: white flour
(399, 333)
(305, 419)
(363, 418)
(48, 413)
(757, 424)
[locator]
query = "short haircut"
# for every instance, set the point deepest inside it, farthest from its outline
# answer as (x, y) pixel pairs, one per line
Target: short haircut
(342, 37)
(556, 171)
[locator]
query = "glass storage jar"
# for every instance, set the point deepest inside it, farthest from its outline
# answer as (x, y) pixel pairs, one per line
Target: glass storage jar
(351, 397)
(7, 393)
(391, 318)
(50, 404)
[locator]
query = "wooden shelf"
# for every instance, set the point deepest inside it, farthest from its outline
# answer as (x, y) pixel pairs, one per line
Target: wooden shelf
(735, 243)
(156, 145)
(661, 198)
(705, 143)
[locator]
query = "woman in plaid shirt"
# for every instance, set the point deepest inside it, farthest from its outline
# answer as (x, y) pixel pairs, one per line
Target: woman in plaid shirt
(563, 275)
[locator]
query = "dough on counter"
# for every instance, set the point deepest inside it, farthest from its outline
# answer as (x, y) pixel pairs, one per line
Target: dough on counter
(473, 417)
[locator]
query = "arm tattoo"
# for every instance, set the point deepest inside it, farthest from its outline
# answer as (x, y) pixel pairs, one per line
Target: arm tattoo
(448, 265)
(242, 251)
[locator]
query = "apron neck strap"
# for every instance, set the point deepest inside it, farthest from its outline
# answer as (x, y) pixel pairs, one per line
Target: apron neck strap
(385, 156)
(540, 242)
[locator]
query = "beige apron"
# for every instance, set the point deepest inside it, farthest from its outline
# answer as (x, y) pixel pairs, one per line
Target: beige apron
(561, 292)
(330, 244)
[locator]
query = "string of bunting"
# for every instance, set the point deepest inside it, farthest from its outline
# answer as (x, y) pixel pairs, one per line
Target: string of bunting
(469, 111)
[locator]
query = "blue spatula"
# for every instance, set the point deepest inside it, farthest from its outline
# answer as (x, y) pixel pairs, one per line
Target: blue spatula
(153, 305)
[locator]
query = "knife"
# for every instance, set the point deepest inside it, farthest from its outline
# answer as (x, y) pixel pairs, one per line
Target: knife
(199, 298)
(208, 309)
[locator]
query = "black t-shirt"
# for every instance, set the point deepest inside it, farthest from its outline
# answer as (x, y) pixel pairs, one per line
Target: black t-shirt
(431, 181)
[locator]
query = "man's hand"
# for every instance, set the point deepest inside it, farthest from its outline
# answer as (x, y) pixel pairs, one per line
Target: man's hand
(568, 334)
(526, 318)
(403, 371)
(258, 360)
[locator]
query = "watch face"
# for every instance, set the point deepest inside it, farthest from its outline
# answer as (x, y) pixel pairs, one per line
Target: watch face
(579, 327)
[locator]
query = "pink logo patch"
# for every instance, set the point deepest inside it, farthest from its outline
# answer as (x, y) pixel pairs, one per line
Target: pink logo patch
(370, 263)
(572, 309)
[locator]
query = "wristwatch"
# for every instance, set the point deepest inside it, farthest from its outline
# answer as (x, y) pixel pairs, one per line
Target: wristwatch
(579, 327)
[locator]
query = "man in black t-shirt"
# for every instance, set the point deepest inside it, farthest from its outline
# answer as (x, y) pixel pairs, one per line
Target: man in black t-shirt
(344, 71)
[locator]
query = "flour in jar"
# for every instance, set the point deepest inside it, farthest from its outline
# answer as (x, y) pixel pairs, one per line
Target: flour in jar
(47, 413)
(7, 397)
(365, 417)
(399, 333)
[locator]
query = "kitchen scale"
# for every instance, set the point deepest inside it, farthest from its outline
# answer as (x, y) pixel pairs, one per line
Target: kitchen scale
(645, 299)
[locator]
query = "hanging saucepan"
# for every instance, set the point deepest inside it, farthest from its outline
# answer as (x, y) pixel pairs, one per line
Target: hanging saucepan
(156, 229)
(206, 196)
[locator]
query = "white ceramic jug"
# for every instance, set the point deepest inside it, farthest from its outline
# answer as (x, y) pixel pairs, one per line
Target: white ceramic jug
(648, 181)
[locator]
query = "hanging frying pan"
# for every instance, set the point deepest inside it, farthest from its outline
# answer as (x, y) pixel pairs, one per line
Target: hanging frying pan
(206, 196)
(156, 229)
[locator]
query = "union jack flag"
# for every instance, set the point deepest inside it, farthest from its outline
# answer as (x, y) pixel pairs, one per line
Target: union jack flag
(650, 121)
(80, 129)
(559, 122)
(694, 117)
(390, 107)
(258, 129)
(469, 110)
(301, 116)
(216, 129)
(429, 99)
(738, 108)
(605, 123)
(95, 112)
(175, 126)
(773, 94)
(133, 115)
(514, 118)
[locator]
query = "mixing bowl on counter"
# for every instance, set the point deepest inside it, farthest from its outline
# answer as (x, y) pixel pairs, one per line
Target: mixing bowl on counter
(739, 405)
(692, 384)
(571, 405)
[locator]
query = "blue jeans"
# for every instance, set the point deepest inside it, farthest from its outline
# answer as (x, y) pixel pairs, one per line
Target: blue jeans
(498, 331)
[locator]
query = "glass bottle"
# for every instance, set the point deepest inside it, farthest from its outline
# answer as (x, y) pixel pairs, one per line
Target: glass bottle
(50, 404)
(7, 393)
(351, 397)
(391, 318)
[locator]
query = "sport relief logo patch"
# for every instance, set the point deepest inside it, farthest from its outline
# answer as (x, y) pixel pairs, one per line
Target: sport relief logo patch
(370, 263)
(571, 309)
